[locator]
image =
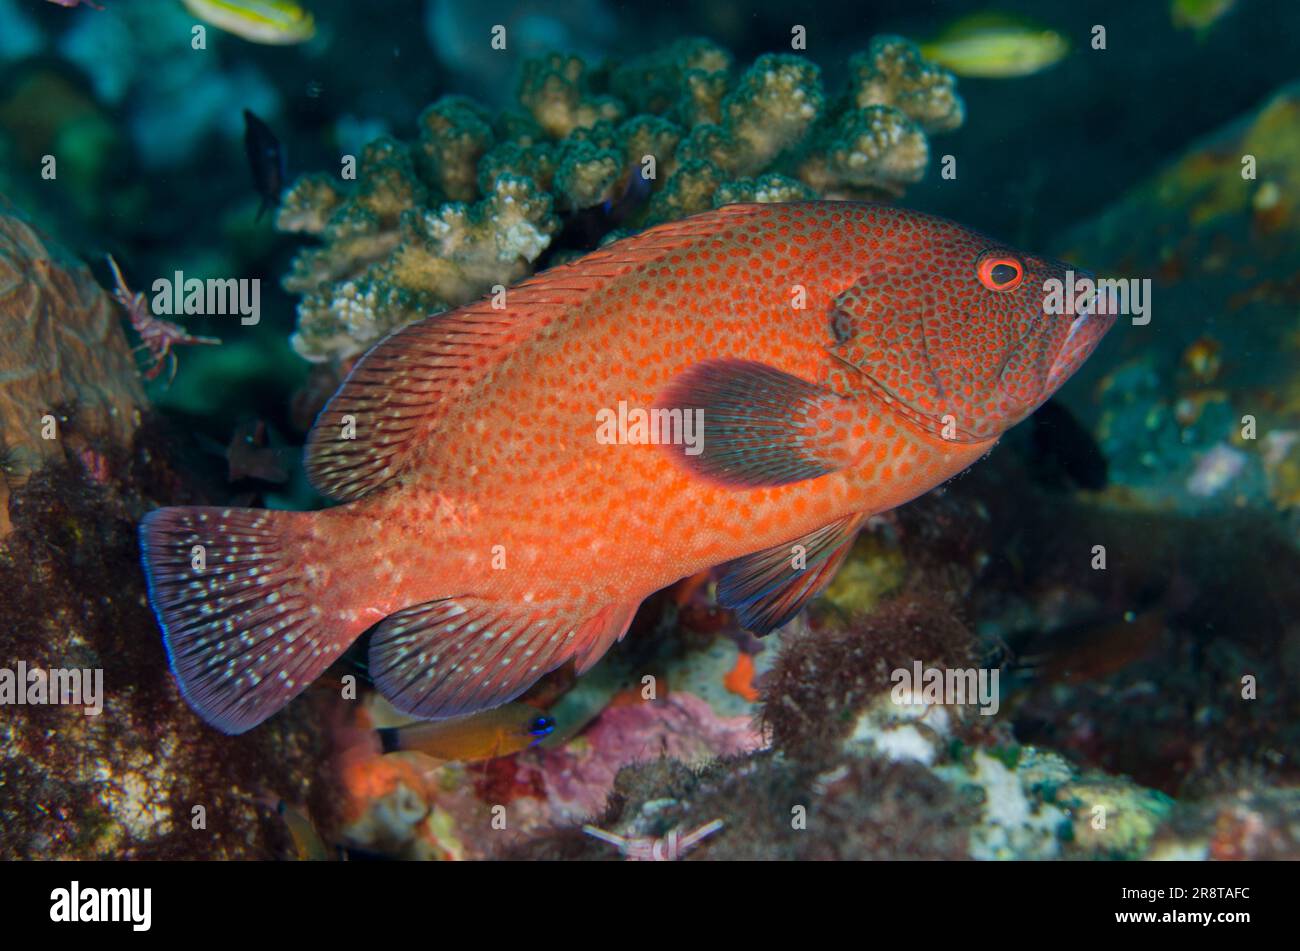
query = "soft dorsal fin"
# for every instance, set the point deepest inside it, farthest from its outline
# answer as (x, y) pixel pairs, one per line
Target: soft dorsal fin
(395, 394)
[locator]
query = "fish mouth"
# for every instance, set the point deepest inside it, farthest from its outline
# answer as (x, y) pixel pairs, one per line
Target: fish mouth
(1092, 319)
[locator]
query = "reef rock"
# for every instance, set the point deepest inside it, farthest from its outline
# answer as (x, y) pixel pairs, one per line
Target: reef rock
(62, 351)
(1199, 400)
(117, 764)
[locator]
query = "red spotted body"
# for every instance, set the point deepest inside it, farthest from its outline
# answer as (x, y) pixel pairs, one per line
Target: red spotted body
(842, 359)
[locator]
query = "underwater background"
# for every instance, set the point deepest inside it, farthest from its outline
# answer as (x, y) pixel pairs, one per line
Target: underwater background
(1126, 559)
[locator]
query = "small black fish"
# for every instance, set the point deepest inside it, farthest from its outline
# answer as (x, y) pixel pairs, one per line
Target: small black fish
(265, 161)
(1064, 452)
(250, 454)
(584, 229)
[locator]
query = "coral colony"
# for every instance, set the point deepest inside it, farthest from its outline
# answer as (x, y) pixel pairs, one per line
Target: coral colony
(474, 202)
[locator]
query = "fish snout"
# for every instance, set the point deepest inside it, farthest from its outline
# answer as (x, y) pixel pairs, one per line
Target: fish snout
(1090, 316)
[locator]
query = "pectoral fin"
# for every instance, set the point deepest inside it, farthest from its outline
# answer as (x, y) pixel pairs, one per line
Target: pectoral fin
(758, 425)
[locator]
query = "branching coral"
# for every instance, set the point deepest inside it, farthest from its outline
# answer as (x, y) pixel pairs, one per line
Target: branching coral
(684, 82)
(390, 258)
(556, 91)
(478, 198)
(893, 73)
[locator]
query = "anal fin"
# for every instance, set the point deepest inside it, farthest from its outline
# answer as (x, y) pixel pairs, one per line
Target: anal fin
(460, 655)
(766, 589)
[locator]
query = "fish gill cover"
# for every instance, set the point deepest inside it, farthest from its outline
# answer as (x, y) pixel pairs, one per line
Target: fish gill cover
(496, 430)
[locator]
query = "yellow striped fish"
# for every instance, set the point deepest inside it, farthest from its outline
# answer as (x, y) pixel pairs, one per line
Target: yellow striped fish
(274, 22)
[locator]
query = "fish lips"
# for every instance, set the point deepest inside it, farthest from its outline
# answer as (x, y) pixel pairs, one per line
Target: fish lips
(1089, 322)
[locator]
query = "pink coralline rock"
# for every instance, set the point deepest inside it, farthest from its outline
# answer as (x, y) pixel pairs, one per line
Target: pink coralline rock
(579, 777)
(412, 807)
(62, 350)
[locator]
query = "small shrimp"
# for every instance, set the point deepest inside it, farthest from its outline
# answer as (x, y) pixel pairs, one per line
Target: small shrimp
(156, 336)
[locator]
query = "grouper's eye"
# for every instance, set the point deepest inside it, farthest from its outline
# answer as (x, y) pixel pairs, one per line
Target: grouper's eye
(1000, 273)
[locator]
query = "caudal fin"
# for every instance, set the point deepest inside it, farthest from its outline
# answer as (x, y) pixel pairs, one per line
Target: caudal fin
(227, 585)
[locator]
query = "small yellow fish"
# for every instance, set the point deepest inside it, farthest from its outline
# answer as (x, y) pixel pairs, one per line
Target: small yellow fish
(487, 735)
(1203, 359)
(274, 22)
(308, 846)
(1199, 15)
(995, 46)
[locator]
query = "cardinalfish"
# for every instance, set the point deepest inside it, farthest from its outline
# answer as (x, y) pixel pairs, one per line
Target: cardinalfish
(1095, 651)
(488, 735)
(837, 359)
(248, 455)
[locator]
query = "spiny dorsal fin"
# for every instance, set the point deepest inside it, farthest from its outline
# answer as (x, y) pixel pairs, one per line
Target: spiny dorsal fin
(395, 394)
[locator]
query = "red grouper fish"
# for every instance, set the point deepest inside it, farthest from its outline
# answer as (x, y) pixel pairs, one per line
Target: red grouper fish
(745, 387)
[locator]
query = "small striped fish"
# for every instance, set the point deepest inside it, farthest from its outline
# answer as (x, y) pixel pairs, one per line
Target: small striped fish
(273, 22)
